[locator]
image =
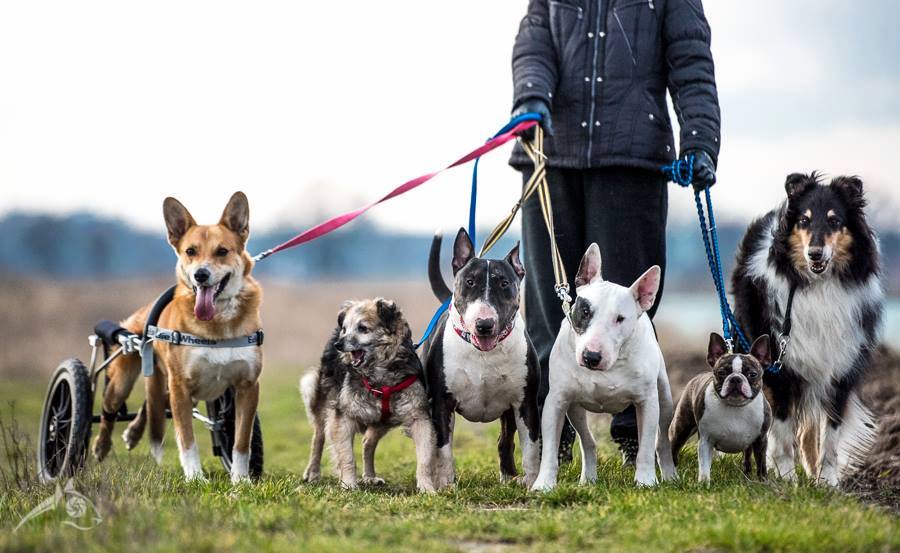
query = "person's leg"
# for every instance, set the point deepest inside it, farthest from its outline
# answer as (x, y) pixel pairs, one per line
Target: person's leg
(543, 312)
(626, 216)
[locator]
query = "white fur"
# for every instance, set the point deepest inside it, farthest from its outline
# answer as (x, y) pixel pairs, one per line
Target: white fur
(156, 451)
(210, 371)
(240, 466)
(731, 428)
(633, 373)
(486, 383)
(190, 463)
(825, 340)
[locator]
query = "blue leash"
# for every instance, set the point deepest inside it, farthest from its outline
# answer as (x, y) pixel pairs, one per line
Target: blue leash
(473, 203)
(681, 172)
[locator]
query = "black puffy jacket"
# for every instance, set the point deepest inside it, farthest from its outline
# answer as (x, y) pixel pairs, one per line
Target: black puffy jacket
(604, 67)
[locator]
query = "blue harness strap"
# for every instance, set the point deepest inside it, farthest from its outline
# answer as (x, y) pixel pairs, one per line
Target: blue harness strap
(473, 204)
(681, 172)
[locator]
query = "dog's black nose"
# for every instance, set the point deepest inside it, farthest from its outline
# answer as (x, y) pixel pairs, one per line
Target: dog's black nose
(592, 358)
(816, 254)
(484, 326)
(201, 275)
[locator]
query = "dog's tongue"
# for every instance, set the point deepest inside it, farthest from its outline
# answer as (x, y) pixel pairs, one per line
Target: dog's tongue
(205, 306)
(485, 343)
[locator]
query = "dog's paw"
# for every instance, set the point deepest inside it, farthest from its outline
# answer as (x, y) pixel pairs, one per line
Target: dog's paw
(349, 484)
(196, 477)
(156, 451)
(543, 484)
(373, 481)
(131, 438)
(101, 447)
(311, 476)
(646, 480)
(426, 486)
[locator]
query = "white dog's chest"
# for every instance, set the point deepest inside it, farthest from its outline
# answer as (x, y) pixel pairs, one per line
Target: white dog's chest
(729, 428)
(210, 371)
(485, 384)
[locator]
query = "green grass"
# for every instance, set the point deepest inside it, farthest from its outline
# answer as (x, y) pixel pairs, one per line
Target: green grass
(146, 508)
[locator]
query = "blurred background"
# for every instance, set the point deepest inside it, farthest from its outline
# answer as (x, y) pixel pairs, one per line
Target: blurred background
(316, 108)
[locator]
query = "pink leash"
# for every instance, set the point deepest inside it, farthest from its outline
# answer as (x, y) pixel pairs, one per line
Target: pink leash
(337, 222)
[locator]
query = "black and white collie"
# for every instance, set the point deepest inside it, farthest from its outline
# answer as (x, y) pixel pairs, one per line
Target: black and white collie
(818, 244)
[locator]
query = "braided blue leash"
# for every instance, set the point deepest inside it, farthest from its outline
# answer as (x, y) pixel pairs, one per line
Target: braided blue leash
(473, 203)
(681, 172)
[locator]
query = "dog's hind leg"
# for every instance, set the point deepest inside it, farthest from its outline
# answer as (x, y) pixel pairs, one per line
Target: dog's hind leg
(506, 445)
(808, 438)
(370, 442)
(155, 387)
(122, 373)
(578, 418)
(663, 446)
(132, 434)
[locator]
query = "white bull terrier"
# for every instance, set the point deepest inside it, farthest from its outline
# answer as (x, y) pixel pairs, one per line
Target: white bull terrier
(604, 360)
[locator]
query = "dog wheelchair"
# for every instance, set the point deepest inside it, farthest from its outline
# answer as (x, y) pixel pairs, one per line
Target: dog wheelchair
(67, 416)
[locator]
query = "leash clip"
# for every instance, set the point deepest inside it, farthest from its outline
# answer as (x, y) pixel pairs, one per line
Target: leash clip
(782, 346)
(729, 343)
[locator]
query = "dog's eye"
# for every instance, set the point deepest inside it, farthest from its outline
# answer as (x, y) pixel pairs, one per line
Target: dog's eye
(835, 223)
(504, 284)
(191, 252)
(620, 319)
(722, 372)
(803, 222)
(221, 252)
(586, 310)
(753, 374)
(470, 282)
(362, 328)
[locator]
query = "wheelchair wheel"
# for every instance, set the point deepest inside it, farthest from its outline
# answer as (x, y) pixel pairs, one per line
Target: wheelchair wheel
(221, 411)
(65, 422)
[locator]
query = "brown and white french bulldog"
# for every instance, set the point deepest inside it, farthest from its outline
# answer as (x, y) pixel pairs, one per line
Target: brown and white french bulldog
(726, 407)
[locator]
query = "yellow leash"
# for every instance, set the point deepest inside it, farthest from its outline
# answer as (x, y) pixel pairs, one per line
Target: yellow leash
(537, 182)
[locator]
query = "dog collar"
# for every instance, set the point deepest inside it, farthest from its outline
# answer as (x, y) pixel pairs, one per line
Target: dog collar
(456, 322)
(385, 392)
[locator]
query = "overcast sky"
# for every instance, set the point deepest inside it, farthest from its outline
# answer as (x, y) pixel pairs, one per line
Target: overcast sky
(314, 107)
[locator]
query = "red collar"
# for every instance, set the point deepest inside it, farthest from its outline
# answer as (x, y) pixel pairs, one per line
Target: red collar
(456, 322)
(385, 394)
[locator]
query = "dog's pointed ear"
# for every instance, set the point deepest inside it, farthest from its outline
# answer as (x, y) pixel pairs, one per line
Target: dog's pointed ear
(342, 314)
(513, 259)
(236, 216)
(762, 350)
(178, 220)
(852, 187)
(646, 287)
(463, 250)
(716, 350)
(387, 312)
(796, 184)
(590, 268)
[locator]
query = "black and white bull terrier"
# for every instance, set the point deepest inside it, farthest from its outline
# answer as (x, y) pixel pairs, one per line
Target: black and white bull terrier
(605, 359)
(479, 361)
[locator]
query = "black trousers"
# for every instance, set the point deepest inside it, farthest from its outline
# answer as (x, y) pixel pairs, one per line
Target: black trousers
(623, 210)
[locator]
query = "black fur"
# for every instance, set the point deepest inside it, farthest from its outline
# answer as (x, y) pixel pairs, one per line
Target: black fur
(753, 308)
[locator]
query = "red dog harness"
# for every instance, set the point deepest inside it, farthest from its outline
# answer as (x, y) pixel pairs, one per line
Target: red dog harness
(385, 394)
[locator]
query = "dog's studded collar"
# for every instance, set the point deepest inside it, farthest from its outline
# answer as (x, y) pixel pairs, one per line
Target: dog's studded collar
(385, 392)
(456, 322)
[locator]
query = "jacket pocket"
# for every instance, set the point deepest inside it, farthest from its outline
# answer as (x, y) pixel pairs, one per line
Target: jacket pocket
(565, 19)
(632, 22)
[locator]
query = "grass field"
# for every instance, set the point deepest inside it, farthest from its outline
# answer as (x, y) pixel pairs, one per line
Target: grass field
(147, 508)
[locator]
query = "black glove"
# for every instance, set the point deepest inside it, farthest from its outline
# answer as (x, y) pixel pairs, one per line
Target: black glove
(535, 105)
(704, 170)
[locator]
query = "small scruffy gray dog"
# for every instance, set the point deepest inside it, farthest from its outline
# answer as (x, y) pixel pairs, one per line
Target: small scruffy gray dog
(370, 380)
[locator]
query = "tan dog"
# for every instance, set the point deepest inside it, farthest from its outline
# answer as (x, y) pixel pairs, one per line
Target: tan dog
(215, 298)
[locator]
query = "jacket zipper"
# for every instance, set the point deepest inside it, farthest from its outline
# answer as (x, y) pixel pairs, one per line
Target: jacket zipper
(590, 126)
